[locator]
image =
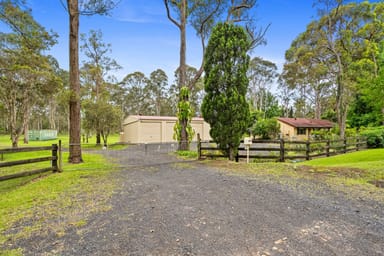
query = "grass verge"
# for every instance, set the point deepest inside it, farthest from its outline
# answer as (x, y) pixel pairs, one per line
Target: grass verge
(351, 173)
(360, 167)
(50, 204)
(187, 154)
(113, 141)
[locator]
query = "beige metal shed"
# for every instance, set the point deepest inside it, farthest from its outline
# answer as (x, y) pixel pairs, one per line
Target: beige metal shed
(158, 129)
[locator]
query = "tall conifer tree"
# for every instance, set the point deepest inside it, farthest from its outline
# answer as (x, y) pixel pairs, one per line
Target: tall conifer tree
(225, 107)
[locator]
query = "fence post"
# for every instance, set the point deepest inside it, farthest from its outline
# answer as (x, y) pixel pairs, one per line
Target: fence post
(307, 149)
(327, 147)
(54, 158)
(357, 143)
(198, 146)
(60, 158)
(282, 150)
(345, 145)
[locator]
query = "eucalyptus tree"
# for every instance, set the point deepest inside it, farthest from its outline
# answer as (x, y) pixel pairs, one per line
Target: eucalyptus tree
(339, 50)
(96, 74)
(306, 72)
(350, 34)
(53, 100)
(47, 112)
(196, 93)
(75, 8)
(184, 10)
(136, 96)
(285, 94)
(261, 74)
(157, 91)
(203, 15)
(25, 73)
(224, 106)
(103, 116)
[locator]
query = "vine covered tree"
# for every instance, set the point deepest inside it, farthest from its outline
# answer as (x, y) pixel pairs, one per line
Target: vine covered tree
(203, 16)
(184, 118)
(224, 106)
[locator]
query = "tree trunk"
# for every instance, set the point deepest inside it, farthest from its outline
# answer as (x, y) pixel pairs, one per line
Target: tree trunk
(317, 106)
(26, 137)
(183, 144)
(341, 111)
(231, 153)
(105, 138)
(98, 140)
(74, 81)
(52, 112)
(15, 142)
(15, 132)
(14, 135)
(26, 118)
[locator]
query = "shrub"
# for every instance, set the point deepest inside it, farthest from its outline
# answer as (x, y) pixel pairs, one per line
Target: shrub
(266, 128)
(375, 136)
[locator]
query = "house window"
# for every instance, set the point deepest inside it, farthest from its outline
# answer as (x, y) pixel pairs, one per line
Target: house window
(301, 131)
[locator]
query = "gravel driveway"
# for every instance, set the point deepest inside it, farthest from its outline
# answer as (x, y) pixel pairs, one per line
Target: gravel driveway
(167, 207)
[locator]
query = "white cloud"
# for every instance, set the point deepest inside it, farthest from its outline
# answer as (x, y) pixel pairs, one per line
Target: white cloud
(140, 12)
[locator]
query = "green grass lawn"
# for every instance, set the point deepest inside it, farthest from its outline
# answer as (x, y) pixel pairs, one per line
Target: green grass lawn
(5, 142)
(53, 202)
(366, 159)
(372, 159)
(365, 166)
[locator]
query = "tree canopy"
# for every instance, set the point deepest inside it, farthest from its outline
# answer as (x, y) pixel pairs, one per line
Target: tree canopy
(26, 74)
(335, 56)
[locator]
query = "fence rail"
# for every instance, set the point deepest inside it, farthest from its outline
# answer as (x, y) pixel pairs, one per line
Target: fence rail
(55, 160)
(282, 150)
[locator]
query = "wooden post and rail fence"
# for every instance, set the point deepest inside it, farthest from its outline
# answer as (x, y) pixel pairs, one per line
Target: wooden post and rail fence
(282, 150)
(55, 160)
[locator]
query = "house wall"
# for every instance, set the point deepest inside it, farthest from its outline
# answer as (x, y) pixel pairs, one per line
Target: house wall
(153, 130)
(290, 132)
(286, 130)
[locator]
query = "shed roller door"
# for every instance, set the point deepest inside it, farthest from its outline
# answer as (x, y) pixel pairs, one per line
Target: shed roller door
(150, 132)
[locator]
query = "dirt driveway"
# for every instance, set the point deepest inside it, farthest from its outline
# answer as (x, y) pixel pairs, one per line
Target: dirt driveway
(189, 208)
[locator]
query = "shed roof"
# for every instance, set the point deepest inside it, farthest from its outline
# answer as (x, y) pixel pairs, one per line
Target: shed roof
(306, 122)
(135, 118)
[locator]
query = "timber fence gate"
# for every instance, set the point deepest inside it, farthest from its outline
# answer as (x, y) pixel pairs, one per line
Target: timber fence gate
(55, 159)
(283, 150)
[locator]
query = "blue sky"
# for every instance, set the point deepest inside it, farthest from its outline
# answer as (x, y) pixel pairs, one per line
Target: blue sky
(143, 39)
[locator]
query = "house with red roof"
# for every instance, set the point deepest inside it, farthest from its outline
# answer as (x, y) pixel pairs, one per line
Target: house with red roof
(301, 128)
